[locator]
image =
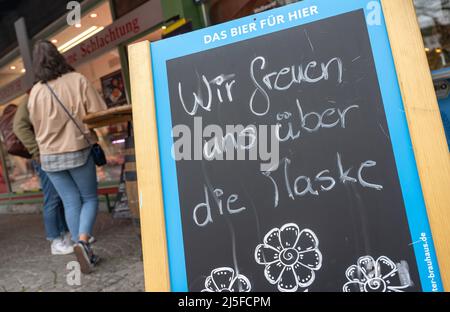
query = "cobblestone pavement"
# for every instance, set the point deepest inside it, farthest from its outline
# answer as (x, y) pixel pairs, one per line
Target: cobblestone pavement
(27, 265)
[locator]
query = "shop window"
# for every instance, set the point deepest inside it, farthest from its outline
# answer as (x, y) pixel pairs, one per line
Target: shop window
(20, 171)
(3, 185)
(434, 21)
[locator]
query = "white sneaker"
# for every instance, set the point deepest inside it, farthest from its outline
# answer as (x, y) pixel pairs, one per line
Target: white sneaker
(58, 247)
(67, 239)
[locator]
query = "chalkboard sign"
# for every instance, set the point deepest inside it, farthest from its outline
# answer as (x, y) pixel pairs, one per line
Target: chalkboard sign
(286, 160)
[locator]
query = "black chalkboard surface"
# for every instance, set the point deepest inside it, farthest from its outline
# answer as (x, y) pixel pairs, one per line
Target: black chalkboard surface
(331, 216)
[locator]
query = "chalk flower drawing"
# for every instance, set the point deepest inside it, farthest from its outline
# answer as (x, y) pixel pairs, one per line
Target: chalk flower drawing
(369, 275)
(290, 257)
(226, 280)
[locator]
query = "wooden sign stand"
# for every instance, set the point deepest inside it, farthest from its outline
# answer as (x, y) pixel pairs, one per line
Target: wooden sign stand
(153, 231)
(425, 126)
(424, 121)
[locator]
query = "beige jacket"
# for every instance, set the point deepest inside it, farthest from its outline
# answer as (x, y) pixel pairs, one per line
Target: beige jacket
(55, 132)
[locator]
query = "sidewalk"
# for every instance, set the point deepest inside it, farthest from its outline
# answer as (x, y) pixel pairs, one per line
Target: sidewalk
(27, 265)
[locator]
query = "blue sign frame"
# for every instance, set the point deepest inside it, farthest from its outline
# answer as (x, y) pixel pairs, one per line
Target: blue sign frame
(193, 42)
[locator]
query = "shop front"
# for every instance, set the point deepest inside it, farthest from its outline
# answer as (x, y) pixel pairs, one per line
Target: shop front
(95, 47)
(434, 21)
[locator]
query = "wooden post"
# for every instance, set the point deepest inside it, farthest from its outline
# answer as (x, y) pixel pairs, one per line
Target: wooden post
(153, 231)
(425, 124)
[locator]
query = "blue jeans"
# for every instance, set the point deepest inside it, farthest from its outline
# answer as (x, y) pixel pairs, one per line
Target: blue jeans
(54, 220)
(78, 190)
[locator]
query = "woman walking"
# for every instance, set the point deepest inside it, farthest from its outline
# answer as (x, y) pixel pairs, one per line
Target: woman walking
(57, 104)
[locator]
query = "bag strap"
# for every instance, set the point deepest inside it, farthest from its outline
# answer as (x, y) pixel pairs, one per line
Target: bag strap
(68, 114)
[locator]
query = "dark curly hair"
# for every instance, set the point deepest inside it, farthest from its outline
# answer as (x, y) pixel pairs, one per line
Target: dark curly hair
(48, 63)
